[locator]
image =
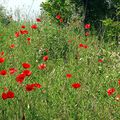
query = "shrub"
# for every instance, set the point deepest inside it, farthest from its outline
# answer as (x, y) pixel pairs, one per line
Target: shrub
(62, 7)
(112, 27)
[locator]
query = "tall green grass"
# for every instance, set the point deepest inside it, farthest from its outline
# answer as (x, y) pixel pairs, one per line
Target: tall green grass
(57, 100)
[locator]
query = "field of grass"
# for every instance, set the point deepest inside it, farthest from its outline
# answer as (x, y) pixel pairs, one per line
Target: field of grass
(72, 58)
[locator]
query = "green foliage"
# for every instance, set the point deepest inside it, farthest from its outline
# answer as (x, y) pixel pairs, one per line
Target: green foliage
(112, 29)
(112, 26)
(62, 7)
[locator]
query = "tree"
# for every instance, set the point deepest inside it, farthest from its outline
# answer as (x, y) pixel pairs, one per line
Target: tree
(94, 10)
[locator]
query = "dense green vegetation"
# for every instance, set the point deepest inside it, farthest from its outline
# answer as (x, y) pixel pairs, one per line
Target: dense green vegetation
(103, 15)
(59, 67)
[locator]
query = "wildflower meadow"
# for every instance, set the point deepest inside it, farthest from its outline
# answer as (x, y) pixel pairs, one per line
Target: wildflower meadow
(53, 71)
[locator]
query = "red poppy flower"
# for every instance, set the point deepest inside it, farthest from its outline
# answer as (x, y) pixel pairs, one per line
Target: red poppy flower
(81, 45)
(76, 85)
(61, 20)
(29, 87)
(4, 96)
(10, 94)
(26, 65)
(17, 34)
(3, 72)
(42, 66)
(2, 60)
(20, 78)
(27, 72)
(100, 60)
(110, 91)
(34, 26)
(23, 32)
(85, 46)
(68, 75)
(58, 17)
(12, 46)
(37, 85)
(28, 39)
(23, 26)
(45, 58)
(38, 19)
(87, 26)
(2, 53)
(12, 70)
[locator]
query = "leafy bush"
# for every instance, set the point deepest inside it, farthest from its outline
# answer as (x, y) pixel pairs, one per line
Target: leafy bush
(112, 27)
(62, 7)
